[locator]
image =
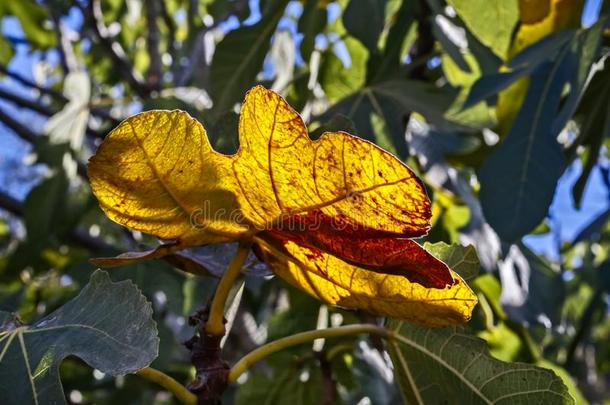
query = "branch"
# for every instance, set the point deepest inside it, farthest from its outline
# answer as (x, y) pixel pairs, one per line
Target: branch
(214, 326)
(11, 204)
(26, 82)
(197, 49)
(40, 108)
(152, 44)
(171, 31)
(31, 137)
(266, 350)
(584, 328)
(424, 44)
(18, 128)
(169, 384)
(82, 238)
(197, 52)
(66, 54)
(26, 103)
(79, 237)
(114, 49)
(99, 112)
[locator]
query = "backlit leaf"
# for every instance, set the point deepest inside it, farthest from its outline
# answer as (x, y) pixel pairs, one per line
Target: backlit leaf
(336, 282)
(492, 22)
(338, 198)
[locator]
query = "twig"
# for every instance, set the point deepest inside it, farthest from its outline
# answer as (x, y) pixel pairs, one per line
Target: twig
(99, 112)
(424, 44)
(87, 241)
(329, 384)
(170, 24)
(169, 384)
(66, 55)
(18, 128)
(26, 103)
(153, 40)
(266, 350)
(11, 204)
(79, 237)
(197, 49)
(40, 108)
(31, 137)
(586, 321)
(114, 49)
(26, 82)
(215, 323)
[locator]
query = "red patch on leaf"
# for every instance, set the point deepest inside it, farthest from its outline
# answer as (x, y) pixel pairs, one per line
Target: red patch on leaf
(375, 250)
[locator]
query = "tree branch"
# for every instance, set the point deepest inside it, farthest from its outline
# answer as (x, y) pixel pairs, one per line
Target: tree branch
(77, 236)
(26, 82)
(153, 41)
(40, 108)
(424, 44)
(11, 204)
(64, 47)
(197, 46)
(99, 112)
(171, 32)
(584, 327)
(18, 128)
(114, 49)
(26, 103)
(31, 137)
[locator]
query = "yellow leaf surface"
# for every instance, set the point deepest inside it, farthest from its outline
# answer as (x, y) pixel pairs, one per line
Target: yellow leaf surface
(336, 282)
(157, 173)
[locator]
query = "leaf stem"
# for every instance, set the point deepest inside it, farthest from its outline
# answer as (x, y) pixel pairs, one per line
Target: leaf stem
(167, 382)
(215, 324)
(584, 328)
(258, 354)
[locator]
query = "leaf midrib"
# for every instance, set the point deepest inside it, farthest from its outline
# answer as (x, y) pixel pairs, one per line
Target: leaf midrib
(443, 363)
(531, 136)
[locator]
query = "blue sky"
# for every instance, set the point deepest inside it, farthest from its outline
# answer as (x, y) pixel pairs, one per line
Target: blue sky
(567, 220)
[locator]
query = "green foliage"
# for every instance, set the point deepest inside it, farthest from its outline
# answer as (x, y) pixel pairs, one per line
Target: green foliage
(291, 386)
(516, 197)
(462, 259)
(108, 325)
(365, 21)
(240, 56)
(492, 22)
(437, 365)
(490, 124)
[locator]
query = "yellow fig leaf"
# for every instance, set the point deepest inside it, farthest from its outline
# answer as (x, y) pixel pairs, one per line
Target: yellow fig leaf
(336, 282)
(157, 173)
(351, 202)
(281, 172)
